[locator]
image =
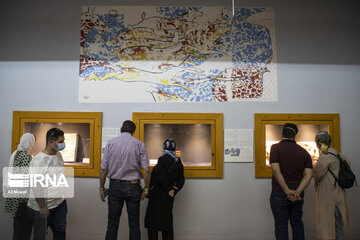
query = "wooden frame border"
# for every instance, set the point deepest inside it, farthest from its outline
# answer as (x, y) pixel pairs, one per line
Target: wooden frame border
(216, 121)
(93, 118)
(262, 119)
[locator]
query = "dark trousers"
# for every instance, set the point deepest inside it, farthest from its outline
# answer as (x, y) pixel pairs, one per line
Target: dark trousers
(56, 221)
(166, 235)
(120, 192)
(22, 223)
(339, 232)
(285, 211)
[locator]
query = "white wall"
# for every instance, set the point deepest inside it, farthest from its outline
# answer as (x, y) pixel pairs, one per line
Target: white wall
(318, 72)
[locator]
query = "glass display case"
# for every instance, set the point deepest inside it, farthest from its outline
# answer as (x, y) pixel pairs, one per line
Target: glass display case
(268, 130)
(198, 136)
(82, 132)
(193, 142)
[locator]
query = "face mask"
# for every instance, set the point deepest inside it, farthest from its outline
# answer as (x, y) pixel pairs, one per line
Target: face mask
(324, 147)
(60, 147)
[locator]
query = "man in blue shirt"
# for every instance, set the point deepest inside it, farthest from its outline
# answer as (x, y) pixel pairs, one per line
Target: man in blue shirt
(123, 158)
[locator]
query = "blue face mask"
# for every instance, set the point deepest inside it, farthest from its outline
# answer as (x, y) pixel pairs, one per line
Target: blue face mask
(60, 147)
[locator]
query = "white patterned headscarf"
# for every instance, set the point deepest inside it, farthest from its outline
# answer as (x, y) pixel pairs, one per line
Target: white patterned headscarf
(26, 142)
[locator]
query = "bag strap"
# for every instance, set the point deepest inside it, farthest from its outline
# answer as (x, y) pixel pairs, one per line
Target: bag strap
(333, 176)
(338, 157)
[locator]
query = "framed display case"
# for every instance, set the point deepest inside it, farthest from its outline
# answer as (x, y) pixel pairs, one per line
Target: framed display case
(198, 136)
(82, 132)
(268, 130)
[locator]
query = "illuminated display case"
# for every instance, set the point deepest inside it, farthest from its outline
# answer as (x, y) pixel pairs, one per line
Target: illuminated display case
(268, 130)
(82, 132)
(198, 136)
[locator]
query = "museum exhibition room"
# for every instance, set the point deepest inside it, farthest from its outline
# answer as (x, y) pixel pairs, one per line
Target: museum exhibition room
(221, 78)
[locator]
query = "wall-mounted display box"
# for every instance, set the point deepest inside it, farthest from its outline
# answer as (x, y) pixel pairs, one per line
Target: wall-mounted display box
(268, 130)
(82, 136)
(198, 136)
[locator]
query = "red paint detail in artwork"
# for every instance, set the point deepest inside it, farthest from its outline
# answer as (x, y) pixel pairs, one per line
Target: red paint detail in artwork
(89, 62)
(246, 82)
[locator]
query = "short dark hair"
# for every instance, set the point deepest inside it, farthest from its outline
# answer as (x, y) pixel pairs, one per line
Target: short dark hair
(128, 126)
(323, 137)
(290, 130)
(53, 134)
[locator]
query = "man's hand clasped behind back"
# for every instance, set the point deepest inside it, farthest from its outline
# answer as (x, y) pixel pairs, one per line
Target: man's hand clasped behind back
(293, 195)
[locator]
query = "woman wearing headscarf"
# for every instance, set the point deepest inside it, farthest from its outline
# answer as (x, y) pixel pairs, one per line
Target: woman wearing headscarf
(17, 206)
(167, 178)
(331, 204)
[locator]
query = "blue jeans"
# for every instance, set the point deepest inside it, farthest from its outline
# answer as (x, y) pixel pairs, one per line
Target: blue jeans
(56, 221)
(284, 211)
(120, 192)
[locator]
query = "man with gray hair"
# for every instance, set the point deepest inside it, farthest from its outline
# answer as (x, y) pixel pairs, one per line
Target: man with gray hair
(292, 171)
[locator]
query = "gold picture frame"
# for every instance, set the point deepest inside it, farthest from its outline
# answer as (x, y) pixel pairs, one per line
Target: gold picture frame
(88, 168)
(261, 120)
(215, 120)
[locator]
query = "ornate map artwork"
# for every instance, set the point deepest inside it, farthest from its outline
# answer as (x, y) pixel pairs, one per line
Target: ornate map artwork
(177, 54)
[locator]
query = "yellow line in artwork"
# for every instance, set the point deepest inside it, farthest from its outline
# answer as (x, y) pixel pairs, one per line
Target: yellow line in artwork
(190, 63)
(178, 85)
(92, 77)
(109, 75)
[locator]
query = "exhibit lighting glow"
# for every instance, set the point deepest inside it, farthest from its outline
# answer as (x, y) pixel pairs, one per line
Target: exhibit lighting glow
(69, 154)
(153, 161)
(310, 147)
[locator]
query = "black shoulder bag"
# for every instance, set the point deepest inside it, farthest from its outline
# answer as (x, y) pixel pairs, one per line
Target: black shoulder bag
(346, 178)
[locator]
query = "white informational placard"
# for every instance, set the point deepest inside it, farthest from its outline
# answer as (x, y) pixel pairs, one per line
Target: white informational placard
(238, 145)
(107, 135)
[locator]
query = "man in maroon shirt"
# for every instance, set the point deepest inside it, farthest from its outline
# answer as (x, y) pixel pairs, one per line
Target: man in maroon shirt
(292, 171)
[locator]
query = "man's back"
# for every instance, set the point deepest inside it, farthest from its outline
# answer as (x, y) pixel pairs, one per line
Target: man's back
(123, 157)
(292, 171)
(293, 159)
